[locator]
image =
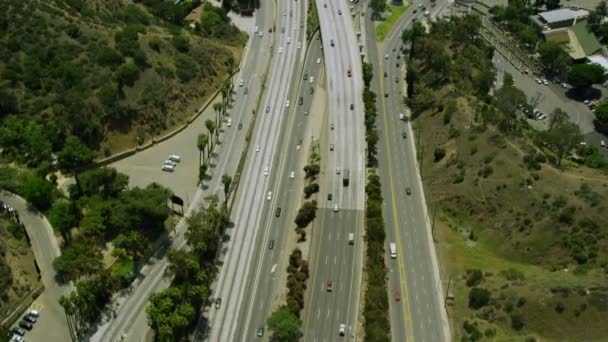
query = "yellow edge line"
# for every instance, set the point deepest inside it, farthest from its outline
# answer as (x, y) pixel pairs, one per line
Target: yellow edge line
(400, 258)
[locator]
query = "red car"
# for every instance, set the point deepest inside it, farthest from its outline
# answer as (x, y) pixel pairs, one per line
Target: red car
(349, 73)
(397, 296)
(330, 285)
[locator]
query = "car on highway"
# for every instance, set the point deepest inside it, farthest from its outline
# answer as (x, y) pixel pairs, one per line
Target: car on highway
(241, 82)
(338, 170)
(408, 190)
(331, 126)
(336, 208)
(385, 74)
(396, 79)
(331, 147)
(299, 45)
(266, 171)
(292, 174)
(330, 285)
(397, 296)
(325, 5)
(349, 73)
(246, 91)
(288, 40)
(260, 332)
(331, 42)
(312, 90)
(261, 33)
(414, 11)
(300, 100)
(280, 50)
(311, 79)
(339, 12)
(401, 116)
(168, 168)
(257, 148)
(287, 104)
(18, 331)
(255, 29)
(404, 135)
(305, 76)
(218, 303)
(329, 197)
(271, 244)
(386, 94)
(386, 56)
(342, 330)
(267, 109)
(319, 60)
(269, 195)
(352, 106)
(277, 212)
(229, 122)
(427, 13)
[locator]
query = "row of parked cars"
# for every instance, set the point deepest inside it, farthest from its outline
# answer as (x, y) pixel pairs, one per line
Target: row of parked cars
(171, 163)
(26, 324)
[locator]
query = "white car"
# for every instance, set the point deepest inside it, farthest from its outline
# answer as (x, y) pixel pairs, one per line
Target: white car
(255, 29)
(261, 33)
(17, 338)
(299, 45)
(280, 50)
(401, 116)
(287, 104)
(311, 79)
(538, 80)
(170, 162)
(319, 60)
(168, 168)
(269, 196)
(257, 148)
(292, 174)
(338, 170)
(266, 171)
(241, 82)
(336, 208)
(342, 329)
(386, 56)
(229, 122)
(288, 40)
(176, 158)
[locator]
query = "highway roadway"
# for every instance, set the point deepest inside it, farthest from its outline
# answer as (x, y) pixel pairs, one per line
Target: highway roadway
(129, 322)
(414, 274)
(245, 268)
(331, 257)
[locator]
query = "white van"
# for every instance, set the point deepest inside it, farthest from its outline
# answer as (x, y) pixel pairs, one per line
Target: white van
(393, 250)
(351, 238)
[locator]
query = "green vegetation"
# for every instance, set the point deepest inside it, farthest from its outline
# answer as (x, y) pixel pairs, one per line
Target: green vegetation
(172, 313)
(369, 101)
(312, 20)
(378, 8)
(306, 214)
(285, 325)
(520, 226)
(297, 274)
(601, 117)
(105, 75)
(384, 27)
(514, 18)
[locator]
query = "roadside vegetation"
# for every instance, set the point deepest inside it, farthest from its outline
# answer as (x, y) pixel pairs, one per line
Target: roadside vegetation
(113, 76)
(394, 13)
(312, 20)
(521, 225)
(375, 310)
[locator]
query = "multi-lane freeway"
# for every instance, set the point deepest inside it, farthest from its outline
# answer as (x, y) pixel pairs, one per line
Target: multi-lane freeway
(243, 284)
(129, 322)
(332, 258)
(414, 274)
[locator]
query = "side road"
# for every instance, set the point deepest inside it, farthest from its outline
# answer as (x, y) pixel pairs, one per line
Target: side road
(52, 325)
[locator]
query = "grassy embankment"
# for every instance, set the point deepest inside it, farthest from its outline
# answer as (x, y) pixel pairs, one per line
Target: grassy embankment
(384, 27)
(509, 221)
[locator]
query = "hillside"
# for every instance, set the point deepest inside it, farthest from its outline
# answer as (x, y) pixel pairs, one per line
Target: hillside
(522, 240)
(113, 73)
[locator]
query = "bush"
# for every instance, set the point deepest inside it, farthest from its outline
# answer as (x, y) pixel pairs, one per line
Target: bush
(311, 189)
(474, 277)
(185, 68)
(438, 154)
(127, 74)
(478, 298)
(38, 192)
(512, 274)
(312, 170)
(181, 43)
(517, 322)
(306, 214)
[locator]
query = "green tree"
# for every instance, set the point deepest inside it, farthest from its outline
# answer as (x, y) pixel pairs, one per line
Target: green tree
(478, 298)
(132, 244)
(127, 74)
(38, 192)
(562, 138)
(285, 326)
(558, 117)
(601, 117)
(63, 216)
(8, 103)
(438, 154)
(82, 258)
(218, 109)
(555, 60)
(211, 128)
(202, 140)
(104, 181)
(378, 8)
(312, 170)
(185, 68)
(73, 156)
(306, 214)
(226, 181)
(169, 314)
(583, 76)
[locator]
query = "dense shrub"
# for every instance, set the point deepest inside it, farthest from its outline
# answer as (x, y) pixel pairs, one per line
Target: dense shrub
(438, 154)
(478, 298)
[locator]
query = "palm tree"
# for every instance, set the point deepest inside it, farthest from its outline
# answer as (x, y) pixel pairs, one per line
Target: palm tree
(201, 143)
(202, 170)
(218, 107)
(231, 68)
(211, 128)
(227, 181)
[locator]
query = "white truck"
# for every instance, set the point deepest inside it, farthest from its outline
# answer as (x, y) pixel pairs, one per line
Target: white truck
(351, 238)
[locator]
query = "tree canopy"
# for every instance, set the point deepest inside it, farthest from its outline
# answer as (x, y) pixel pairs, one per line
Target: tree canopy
(285, 326)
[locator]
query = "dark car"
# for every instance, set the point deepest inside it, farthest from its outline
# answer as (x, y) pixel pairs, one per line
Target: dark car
(18, 331)
(386, 94)
(352, 106)
(329, 197)
(26, 325)
(267, 109)
(218, 303)
(300, 100)
(385, 74)
(30, 318)
(305, 77)
(271, 244)
(404, 135)
(277, 212)
(408, 191)
(312, 90)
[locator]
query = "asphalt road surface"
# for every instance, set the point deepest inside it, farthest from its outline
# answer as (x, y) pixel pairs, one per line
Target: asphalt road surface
(331, 257)
(240, 275)
(129, 322)
(52, 325)
(414, 274)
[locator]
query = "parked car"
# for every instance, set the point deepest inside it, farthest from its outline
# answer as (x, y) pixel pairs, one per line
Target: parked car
(26, 325)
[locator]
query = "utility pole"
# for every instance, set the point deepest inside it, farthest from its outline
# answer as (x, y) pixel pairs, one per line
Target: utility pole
(433, 224)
